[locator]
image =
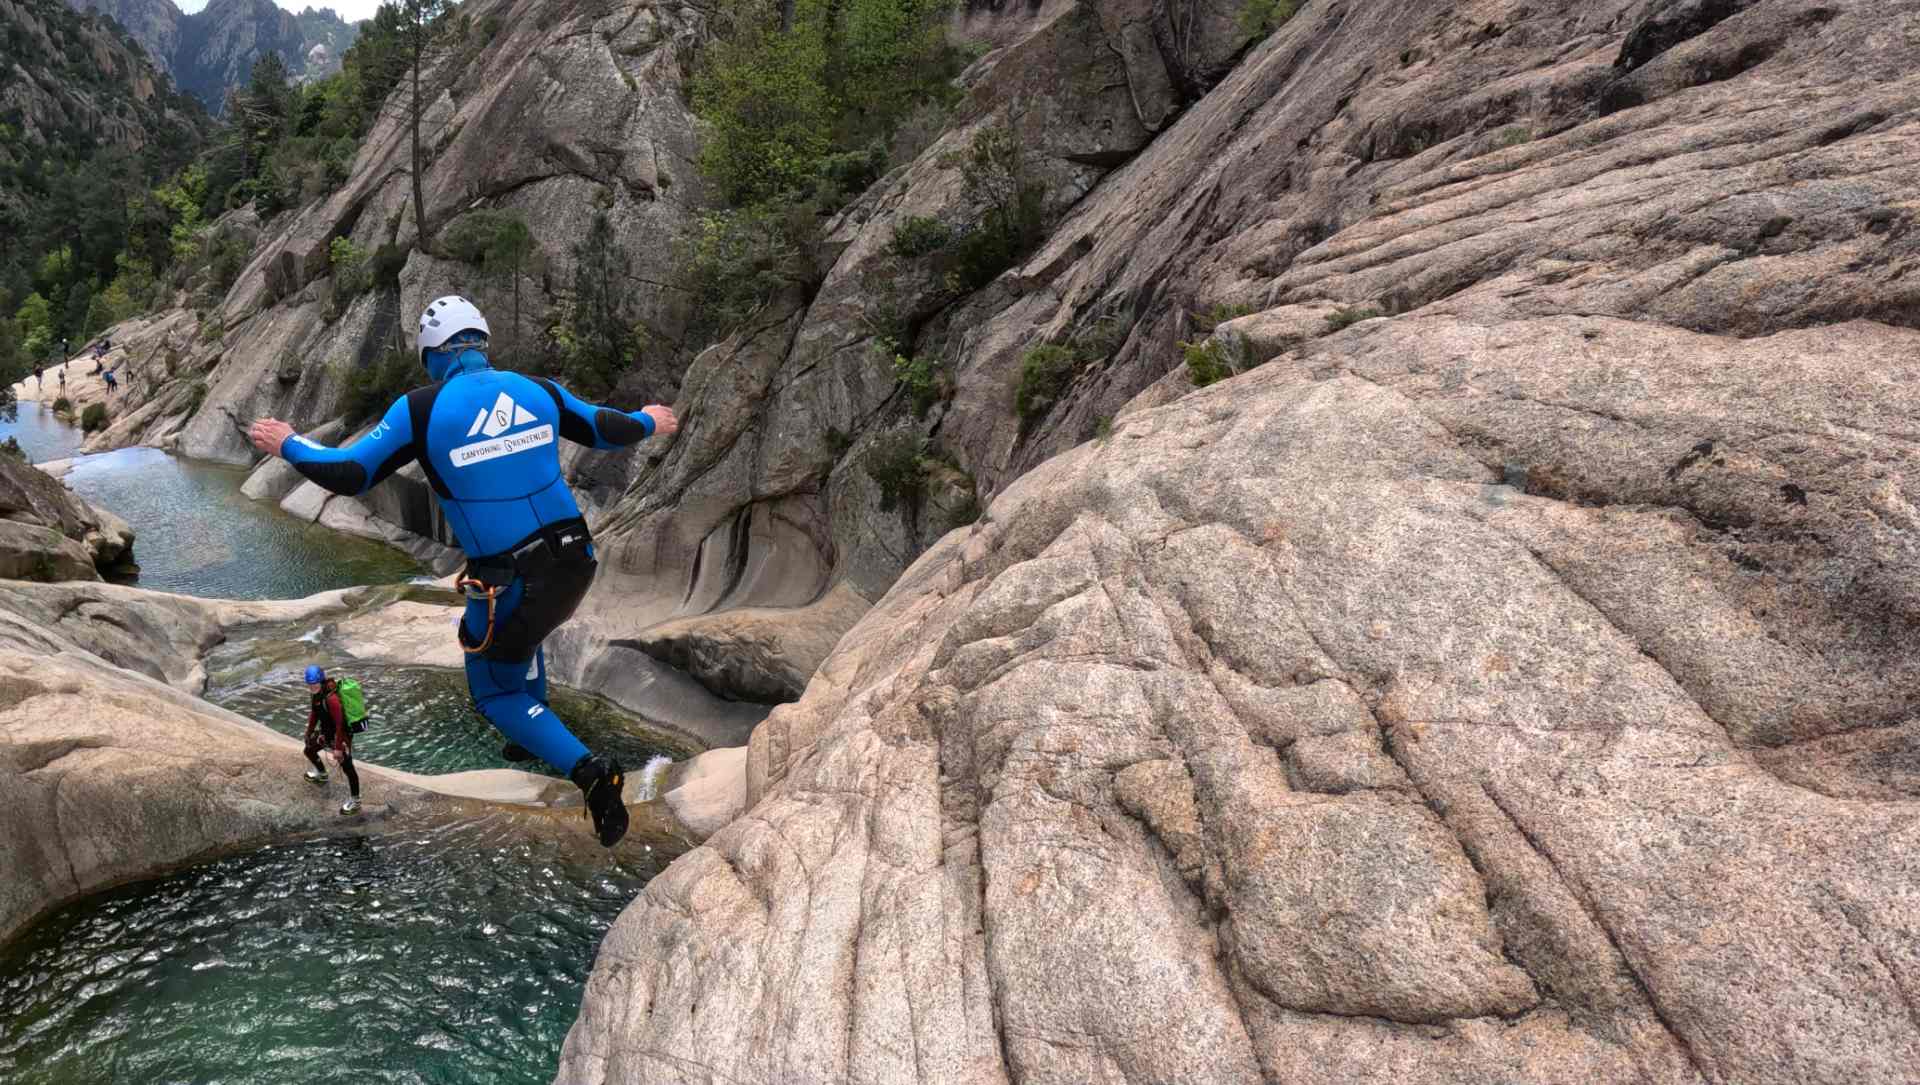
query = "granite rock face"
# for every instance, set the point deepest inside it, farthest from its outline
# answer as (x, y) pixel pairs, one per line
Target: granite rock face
(1504, 677)
(1293, 715)
(47, 532)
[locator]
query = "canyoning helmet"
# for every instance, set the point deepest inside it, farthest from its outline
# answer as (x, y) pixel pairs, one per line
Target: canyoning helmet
(315, 675)
(444, 319)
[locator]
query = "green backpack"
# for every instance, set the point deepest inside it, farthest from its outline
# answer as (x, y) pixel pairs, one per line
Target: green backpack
(353, 703)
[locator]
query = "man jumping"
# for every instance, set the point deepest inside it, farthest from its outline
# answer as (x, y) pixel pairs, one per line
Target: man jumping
(486, 439)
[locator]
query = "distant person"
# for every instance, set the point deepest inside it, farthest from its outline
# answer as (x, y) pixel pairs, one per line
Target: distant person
(327, 729)
(488, 441)
(63, 380)
(112, 385)
(36, 376)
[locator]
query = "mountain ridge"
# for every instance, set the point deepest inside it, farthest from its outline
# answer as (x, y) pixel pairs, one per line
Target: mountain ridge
(209, 51)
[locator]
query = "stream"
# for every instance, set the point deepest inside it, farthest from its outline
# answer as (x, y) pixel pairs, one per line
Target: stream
(454, 954)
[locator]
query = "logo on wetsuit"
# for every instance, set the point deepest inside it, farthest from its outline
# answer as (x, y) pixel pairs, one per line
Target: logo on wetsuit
(491, 423)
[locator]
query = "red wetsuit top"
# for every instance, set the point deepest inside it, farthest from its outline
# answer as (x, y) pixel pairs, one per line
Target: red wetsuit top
(336, 721)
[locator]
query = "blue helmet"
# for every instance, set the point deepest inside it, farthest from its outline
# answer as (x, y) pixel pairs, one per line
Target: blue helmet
(315, 674)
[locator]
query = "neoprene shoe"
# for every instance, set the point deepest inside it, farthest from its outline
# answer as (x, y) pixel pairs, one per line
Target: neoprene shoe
(602, 779)
(316, 776)
(351, 806)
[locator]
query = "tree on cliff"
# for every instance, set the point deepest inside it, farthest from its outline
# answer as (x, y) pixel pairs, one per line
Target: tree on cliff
(419, 18)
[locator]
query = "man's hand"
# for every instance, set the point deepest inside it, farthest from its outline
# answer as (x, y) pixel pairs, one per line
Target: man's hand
(268, 434)
(664, 423)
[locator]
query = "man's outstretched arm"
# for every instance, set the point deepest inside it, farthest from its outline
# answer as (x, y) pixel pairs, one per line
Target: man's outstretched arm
(605, 427)
(352, 470)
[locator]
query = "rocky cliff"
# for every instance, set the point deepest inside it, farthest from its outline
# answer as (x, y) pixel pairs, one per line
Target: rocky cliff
(70, 83)
(49, 533)
(212, 50)
(1502, 677)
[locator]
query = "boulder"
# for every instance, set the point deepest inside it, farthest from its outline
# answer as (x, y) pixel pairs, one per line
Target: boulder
(763, 654)
(707, 791)
(49, 533)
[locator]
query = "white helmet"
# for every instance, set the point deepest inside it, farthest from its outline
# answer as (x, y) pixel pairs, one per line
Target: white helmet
(446, 318)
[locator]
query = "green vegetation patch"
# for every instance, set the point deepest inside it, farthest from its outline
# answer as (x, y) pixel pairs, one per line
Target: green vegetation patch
(1210, 362)
(1346, 318)
(1259, 18)
(372, 388)
(1045, 373)
(894, 462)
(918, 235)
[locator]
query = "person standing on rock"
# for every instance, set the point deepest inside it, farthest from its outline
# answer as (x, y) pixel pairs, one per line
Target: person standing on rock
(486, 439)
(327, 729)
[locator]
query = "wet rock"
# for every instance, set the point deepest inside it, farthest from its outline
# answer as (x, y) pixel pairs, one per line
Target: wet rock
(708, 791)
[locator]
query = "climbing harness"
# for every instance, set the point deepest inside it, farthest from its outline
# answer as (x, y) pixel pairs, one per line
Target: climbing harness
(475, 588)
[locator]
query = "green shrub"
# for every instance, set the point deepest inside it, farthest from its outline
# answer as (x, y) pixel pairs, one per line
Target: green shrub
(769, 114)
(1220, 314)
(1103, 428)
(94, 417)
(837, 441)
(62, 405)
(994, 178)
(372, 388)
(1346, 318)
(918, 235)
(895, 462)
(11, 447)
(779, 102)
(389, 260)
(839, 177)
(731, 263)
(351, 276)
(1208, 362)
(228, 261)
(1045, 373)
(1512, 136)
(1099, 340)
(1258, 18)
(921, 377)
(196, 395)
(497, 242)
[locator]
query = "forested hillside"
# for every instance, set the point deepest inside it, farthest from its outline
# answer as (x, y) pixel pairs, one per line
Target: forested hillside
(120, 189)
(86, 124)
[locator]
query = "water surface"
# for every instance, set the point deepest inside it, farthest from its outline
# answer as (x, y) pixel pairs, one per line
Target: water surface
(196, 534)
(452, 956)
(422, 720)
(42, 436)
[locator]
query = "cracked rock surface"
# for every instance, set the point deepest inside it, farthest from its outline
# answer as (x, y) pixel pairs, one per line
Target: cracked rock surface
(1508, 677)
(1288, 735)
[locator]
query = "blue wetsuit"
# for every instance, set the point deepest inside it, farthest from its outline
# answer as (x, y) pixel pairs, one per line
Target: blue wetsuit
(488, 441)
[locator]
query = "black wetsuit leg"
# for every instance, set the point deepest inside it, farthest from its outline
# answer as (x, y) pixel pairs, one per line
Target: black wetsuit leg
(353, 778)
